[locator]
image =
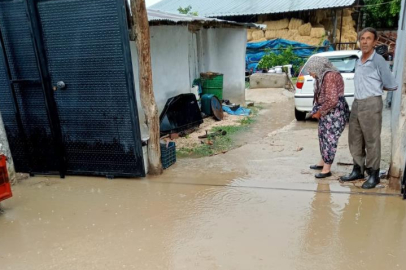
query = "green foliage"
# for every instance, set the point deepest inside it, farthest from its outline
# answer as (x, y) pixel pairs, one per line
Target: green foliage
(381, 14)
(281, 58)
(219, 143)
(247, 121)
(188, 11)
(247, 85)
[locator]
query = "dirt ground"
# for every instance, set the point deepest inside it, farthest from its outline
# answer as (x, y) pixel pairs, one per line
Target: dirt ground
(258, 97)
(192, 140)
(255, 207)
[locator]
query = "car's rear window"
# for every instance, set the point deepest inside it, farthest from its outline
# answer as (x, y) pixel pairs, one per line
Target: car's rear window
(345, 64)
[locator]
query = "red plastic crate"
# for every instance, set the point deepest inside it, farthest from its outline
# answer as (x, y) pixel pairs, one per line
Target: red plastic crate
(5, 187)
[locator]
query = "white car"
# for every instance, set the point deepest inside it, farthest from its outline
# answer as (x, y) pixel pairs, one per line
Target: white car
(344, 61)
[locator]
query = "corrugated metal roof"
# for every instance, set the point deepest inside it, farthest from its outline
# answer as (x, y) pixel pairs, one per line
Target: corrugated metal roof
(156, 15)
(222, 8)
(161, 16)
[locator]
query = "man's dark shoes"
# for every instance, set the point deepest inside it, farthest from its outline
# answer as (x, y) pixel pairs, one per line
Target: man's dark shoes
(316, 167)
(373, 180)
(354, 175)
(323, 175)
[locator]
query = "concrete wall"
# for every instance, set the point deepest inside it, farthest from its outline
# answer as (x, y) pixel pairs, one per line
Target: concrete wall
(399, 104)
(223, 50)
(5, 149)
(268, 80)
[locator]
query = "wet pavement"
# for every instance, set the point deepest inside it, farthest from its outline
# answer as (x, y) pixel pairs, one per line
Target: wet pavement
(256, 207)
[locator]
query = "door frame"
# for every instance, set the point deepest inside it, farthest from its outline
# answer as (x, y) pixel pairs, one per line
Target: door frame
(125, 41)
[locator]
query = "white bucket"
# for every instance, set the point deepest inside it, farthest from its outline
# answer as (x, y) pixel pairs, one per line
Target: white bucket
(195, 90)
(145, 155)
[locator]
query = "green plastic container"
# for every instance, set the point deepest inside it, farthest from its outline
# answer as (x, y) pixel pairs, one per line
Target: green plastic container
(212, 83)
(206, 104)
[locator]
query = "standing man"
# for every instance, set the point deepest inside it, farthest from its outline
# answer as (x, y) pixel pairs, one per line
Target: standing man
(372, 76)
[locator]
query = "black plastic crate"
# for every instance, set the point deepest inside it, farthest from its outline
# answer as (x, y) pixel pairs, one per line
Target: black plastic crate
(168, 154)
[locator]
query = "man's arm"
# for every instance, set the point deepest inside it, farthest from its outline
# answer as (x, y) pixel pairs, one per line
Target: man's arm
(388, 80)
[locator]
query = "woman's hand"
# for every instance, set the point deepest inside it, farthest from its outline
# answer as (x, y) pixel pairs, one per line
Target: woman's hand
(317, 115)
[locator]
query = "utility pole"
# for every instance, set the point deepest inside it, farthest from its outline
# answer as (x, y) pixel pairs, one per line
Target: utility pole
(140, 30)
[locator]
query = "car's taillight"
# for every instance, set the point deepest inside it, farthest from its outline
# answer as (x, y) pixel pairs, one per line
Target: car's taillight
(300, 82)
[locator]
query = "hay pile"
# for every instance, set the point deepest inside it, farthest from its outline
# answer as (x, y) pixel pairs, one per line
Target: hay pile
(312, 33)
(305, 29)
(321, 15)
(258, 34)
(277, 25)
(284, 33)
(261, 39)
(294, 24)
(317, 32)
(249, 35)
(270, 34)
(348, 30)
(294, 30)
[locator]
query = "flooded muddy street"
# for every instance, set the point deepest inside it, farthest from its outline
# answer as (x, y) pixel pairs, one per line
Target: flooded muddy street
(255, 207)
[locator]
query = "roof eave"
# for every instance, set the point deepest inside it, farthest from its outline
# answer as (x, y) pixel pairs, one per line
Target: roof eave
(263, 13)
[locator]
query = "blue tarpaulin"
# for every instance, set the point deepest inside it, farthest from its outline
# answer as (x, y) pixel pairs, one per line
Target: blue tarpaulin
(256, 50)
(239, 111)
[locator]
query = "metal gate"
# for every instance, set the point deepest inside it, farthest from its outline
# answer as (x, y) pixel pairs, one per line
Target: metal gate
(66, 77)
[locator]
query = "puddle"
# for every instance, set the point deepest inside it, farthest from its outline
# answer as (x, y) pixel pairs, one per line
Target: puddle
(94, 223)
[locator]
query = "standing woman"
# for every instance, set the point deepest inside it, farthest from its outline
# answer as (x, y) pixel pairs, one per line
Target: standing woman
(330, 108)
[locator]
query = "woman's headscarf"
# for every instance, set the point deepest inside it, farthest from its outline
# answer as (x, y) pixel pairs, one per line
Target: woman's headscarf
(319, 66)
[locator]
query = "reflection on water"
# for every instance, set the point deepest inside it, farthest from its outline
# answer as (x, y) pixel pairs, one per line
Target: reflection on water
(354, 232)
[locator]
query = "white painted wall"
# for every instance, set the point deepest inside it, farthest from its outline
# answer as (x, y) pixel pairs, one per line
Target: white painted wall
(223, 50)
(399, 101)
(179, 56)
(170, 64)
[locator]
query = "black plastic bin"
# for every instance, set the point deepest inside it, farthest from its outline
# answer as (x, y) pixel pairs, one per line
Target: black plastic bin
(180, 113)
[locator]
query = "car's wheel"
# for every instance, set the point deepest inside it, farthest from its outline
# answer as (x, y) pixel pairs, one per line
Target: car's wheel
(300, 116)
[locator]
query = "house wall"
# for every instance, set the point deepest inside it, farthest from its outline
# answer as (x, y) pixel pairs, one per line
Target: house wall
(178, 57)
(399, 104)
(170, 64)
(223, 50)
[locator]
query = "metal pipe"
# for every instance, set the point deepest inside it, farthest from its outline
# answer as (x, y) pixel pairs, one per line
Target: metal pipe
(341, 27)
(359, 16)
(335, 27)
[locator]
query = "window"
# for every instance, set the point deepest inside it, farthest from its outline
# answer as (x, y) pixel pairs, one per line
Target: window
(345, 64)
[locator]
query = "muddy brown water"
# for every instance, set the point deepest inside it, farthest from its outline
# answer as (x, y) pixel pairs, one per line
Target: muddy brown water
(93, 223)
(247, 209)
(270, 118)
